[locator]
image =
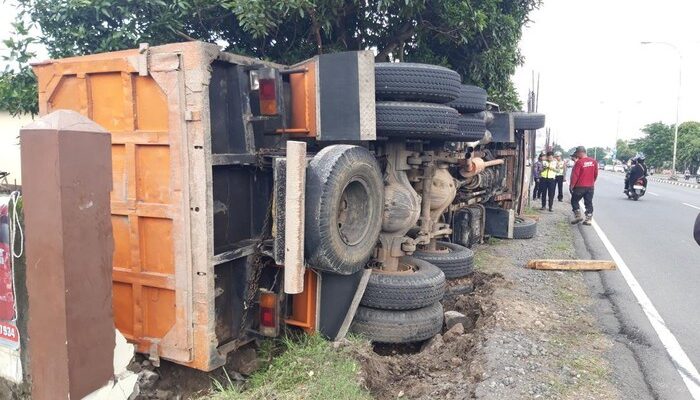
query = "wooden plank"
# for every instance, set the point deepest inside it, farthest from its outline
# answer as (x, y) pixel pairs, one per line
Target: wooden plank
(572, 265)
(294, 218)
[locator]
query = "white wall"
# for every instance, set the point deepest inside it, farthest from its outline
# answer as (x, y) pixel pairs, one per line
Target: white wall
(9, 144)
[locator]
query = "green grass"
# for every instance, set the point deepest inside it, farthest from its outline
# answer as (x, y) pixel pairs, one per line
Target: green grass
(493, 240)
(566, 296)
(309, 368)
(530, 210)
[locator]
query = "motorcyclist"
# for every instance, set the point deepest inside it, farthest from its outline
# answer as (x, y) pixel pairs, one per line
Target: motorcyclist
(637, 171)
(687, 174)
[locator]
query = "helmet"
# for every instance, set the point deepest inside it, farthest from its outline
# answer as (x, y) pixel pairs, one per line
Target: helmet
(558, 154)
(639, 156)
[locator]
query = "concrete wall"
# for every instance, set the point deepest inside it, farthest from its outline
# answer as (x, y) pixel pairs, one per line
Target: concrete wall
(9, 144)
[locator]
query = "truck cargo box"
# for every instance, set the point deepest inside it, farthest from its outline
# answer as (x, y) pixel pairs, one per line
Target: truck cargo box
(188, 201)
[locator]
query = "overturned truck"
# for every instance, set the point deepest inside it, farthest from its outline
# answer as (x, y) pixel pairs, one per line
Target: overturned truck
(402, 170)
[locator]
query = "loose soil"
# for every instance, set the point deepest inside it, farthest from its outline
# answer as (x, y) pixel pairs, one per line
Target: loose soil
(533, 334)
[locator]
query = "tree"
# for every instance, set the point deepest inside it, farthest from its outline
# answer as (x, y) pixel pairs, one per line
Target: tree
(477, 39)
(598, 153)
(623, 150)
(689, 145)
(18, 92)
(557, 147)
(656, 144)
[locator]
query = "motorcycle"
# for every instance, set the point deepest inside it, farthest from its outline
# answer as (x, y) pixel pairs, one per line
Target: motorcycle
(638, 189)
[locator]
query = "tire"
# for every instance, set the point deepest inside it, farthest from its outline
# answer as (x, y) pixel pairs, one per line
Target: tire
(344, 205)
(393, 326)
(416, 82)
(417, 120)
(407, 290)
(524, 228)
(527, 121)
(471, 127)
(457, 262)
(472, 99)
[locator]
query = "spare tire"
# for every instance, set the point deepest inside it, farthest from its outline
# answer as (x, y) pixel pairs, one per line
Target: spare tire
(524, 228)
(420, 286)
(415, 82)
(471, 126)
(392, 326)
(472, 99)
(344, 204)
(417, 120)
(454, 260)
(527, 121)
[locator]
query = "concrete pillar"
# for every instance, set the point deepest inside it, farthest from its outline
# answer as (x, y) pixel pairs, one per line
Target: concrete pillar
(66, 179)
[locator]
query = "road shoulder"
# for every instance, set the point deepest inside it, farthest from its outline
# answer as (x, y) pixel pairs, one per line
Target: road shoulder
(642, 368)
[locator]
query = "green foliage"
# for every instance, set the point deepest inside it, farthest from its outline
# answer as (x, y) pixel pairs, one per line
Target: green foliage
(624, 151)
(479, 39)
(656, 144)
(308, 369)
(598, 153)
(18, 93)
(689, 146)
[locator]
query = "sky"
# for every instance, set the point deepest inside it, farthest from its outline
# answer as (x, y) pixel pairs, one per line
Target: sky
(595, 73)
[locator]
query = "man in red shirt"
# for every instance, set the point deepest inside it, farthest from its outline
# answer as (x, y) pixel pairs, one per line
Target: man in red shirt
(583, 177)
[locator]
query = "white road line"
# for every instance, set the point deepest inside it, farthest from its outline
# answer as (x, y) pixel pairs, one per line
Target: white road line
(683, 365)
(690, 205)
(653, 194)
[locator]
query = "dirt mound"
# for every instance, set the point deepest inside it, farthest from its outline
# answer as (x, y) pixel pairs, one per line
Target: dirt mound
(441, 367)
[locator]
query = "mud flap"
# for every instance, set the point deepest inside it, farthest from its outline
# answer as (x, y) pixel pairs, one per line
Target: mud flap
(337, 292)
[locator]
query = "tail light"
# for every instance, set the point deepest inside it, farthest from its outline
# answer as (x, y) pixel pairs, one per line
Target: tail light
(267, 81)
(269, 313)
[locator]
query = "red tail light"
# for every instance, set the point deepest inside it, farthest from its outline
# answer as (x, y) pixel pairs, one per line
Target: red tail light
(269, 320)
(267, 82)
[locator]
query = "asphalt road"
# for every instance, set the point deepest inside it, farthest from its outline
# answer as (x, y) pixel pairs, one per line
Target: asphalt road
(654, 238)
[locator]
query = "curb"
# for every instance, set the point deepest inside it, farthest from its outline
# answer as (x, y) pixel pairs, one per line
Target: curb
(677, 183)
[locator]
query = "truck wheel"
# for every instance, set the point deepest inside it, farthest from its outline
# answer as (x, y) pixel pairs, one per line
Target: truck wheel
(392, 326)
(415, 82)
(471, 127)
(344, 202)
(472, 99)
(527, 121)
(416, 120)
(419, 286)
(454, 260)
(524, 228)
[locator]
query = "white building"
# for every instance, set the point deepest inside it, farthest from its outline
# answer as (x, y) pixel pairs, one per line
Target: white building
(9, 144)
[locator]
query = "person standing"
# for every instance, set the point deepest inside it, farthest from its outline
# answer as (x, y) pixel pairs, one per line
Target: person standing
(536, 171)
(560, 177)
(547, 180)
(583, 177)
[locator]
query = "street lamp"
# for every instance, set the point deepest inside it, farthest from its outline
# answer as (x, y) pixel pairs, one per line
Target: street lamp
(678, 100)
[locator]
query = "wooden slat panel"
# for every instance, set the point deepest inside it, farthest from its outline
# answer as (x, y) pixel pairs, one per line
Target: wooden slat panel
(153, 174)
(108, 101)
(156, 245)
